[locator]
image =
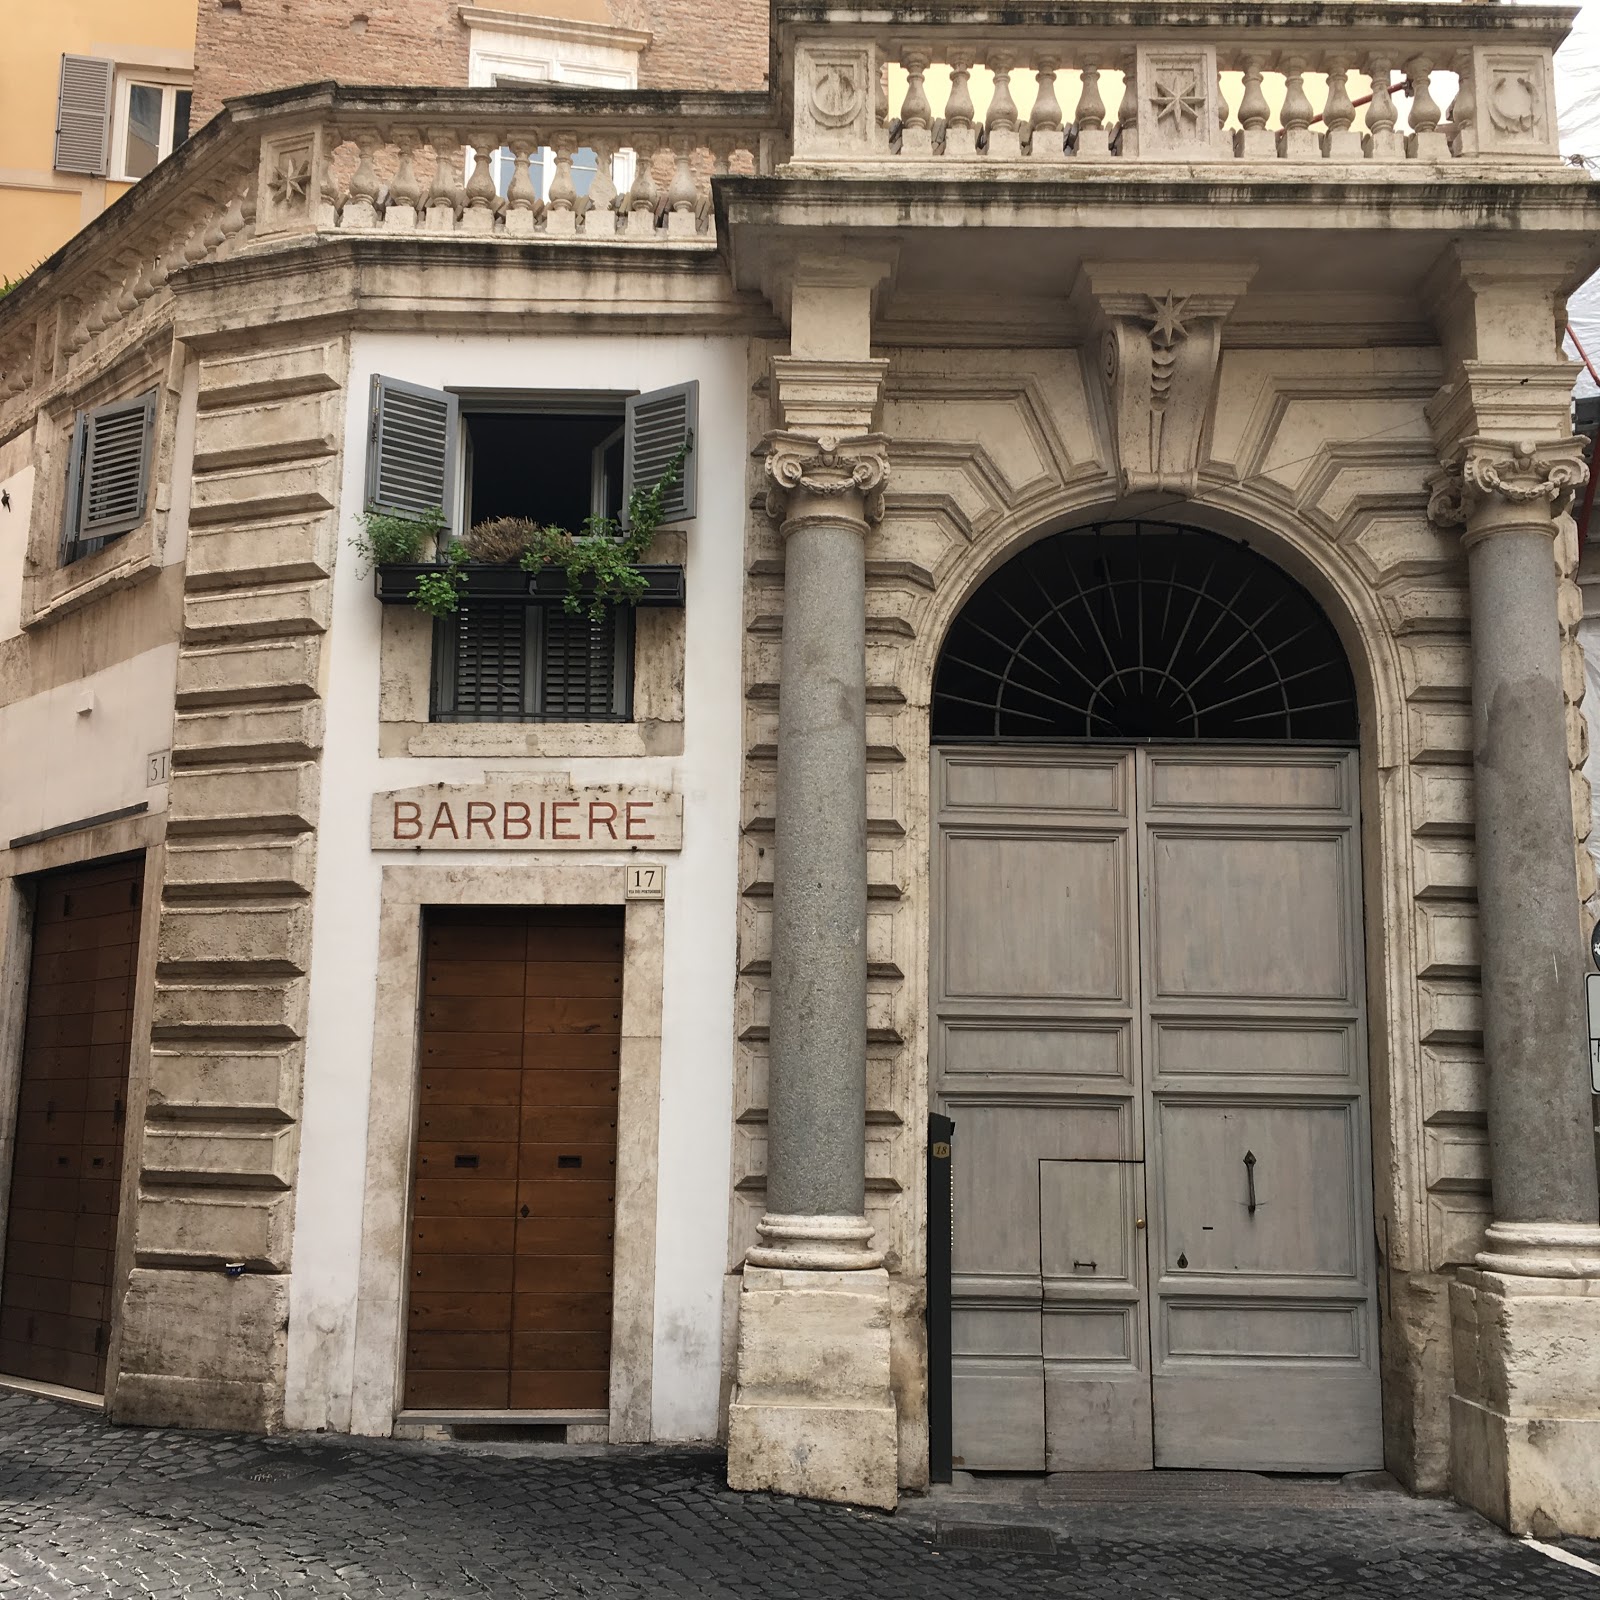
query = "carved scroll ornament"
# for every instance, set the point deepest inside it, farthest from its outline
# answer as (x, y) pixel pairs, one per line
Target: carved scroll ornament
(826, 465)
(1515, 474)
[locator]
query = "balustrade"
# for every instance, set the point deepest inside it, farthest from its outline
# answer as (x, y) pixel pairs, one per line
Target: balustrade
(626, 181)
(1044, 103)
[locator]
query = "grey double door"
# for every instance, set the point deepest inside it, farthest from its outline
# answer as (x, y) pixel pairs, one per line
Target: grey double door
(1149, 1030)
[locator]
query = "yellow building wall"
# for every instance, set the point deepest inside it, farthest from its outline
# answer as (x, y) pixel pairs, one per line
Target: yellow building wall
(41, 209)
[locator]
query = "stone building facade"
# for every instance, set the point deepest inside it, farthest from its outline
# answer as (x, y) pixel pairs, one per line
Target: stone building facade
(1110, 682)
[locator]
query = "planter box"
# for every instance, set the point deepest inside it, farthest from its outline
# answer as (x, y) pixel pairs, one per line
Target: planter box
(393, 584)
(511, 585)
(663, 586)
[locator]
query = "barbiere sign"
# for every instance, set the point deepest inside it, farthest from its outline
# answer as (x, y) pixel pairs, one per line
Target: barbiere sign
(535, 815)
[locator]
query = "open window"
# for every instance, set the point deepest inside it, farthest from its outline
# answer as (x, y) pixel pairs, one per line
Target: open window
(513, 652)
(108, 474)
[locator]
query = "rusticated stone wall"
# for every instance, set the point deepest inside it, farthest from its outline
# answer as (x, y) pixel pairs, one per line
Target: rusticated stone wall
(207, 1306)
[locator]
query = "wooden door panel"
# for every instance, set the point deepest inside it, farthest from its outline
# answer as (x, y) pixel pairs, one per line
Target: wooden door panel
(467, 1160)
(560, 1391)
(563, 1274)
(1263, 1321)
(515, 1161)
(441, 1271)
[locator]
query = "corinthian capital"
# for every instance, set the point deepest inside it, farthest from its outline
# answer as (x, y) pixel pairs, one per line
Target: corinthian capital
(826, 466)
(1494, 472)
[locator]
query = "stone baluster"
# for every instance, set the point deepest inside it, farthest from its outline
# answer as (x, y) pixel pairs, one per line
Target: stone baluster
(1254, 139)
(1128, 111)
(960, 136)
(721, 147)
(405, 191)
(446, 196)
(325, 186)
(1296, 141)
(1047, 134)
(1093, 137)
(1002, 138)
(643, 194)
(1382, 143)
(600, 220)
(1340, 142)
(1425, 142)
(1463, 132)
(561, 214)
(524, 208)
(361, 204)
(127, 302)
(916, 115)
(682, 223)
(482, 202)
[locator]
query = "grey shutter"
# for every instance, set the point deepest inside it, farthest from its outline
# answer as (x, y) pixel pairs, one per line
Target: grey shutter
(411, 449)
(69, 513)
(659, 424)
(582, 665)
(116, 467)
(83, 115)
(485, 658)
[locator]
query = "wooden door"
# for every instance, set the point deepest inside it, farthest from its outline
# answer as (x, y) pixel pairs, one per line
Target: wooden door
(1036, 1057)
(66, 1177)
(1264, 1326)
(512, 1228)
(1150, 1036)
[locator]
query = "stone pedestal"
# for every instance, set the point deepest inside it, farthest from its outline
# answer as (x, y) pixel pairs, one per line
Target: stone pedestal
(813, 1413)
(1525, 1417)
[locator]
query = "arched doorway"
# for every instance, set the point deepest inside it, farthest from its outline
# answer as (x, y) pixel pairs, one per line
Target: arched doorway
(1149, 1020)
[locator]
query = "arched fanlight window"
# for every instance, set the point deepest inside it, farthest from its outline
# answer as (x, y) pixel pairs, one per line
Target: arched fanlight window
(1141, 631)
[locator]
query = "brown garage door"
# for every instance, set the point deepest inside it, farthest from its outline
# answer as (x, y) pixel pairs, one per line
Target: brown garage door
(511, 1234)
(61, 1225)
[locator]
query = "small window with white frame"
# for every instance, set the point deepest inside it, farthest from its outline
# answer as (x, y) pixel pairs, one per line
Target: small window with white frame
(150, 119)
(550, 459)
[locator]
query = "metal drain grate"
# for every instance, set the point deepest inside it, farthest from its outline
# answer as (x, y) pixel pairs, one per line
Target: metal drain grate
(996, 1536)
(286, 1470)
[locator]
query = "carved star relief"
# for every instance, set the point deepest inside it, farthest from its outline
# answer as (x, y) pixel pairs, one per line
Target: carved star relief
(289, 182)
(1166, 319)
(1178, 101)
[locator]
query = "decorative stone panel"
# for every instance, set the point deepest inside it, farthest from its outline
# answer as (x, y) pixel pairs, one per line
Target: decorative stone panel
(205, 1317)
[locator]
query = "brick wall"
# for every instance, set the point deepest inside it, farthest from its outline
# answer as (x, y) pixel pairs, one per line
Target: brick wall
(246, 46)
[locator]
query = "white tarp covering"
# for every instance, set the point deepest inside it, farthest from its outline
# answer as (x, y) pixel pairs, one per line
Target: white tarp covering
(1578, 105)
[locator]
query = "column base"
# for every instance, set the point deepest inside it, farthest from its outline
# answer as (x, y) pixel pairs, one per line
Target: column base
(812, 1412)
(1525, 1415)
(814, 1244)
(1541, 1249)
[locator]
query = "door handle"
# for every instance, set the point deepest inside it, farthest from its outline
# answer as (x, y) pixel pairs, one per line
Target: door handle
(1078, 1266)
(1138, 1222)
(1250, 1181)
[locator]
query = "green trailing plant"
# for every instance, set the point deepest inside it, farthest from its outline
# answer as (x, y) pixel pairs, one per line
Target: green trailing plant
(388, 541)
(438, 593)
(603, 555)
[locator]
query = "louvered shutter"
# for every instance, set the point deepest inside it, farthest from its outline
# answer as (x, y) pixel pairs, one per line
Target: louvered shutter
(83, 115)
(659, 424)
(411, 449)
(581, 665)
(116, 467)
(486, 660)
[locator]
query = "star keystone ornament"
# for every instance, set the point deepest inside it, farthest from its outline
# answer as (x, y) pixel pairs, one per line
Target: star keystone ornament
(1166, 325)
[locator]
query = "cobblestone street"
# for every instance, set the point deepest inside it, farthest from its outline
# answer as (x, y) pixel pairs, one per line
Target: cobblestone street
(91, 1510)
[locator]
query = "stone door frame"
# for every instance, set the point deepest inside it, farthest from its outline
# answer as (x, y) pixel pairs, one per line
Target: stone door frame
(20, 868)
(393, 1109)
(1415, 1369)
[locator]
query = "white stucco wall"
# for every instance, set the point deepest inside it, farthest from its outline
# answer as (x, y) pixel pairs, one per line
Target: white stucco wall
(81, 749)
(697, 1021)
